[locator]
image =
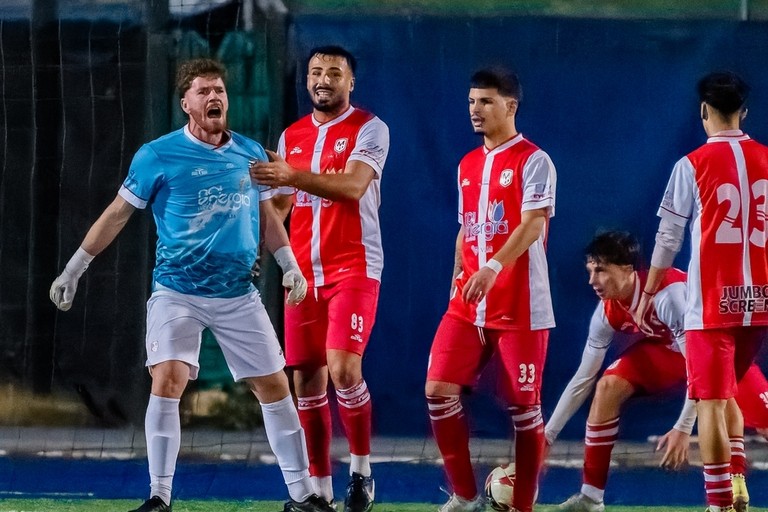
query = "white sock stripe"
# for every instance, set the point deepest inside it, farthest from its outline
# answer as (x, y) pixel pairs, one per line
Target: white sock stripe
(717, 478)
(446, 403)
(603, 433)
(528, 414)
(356, 390)
(528, 426)
(354, 404)
(445, 415)
(719, 489)
(604, 443)
(316, 397)
(611, 422)
(716, 466)
(450, 406)
(312, 402)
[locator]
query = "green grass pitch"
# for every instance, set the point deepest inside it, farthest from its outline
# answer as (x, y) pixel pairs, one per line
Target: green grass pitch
(93, 505)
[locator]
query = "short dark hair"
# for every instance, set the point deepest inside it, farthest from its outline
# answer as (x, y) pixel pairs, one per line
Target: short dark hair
(616, 247)
(191, 69)
(725, 91)
(334, 51)
(499, 78)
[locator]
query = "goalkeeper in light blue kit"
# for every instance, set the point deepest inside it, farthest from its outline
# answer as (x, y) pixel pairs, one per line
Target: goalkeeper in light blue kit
(207, 211)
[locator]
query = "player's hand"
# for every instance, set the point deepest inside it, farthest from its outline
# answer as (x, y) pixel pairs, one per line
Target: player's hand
(275, 173)
(676, 451)
(642, 315)
(294, 281)
(63, 290)
(478, 285)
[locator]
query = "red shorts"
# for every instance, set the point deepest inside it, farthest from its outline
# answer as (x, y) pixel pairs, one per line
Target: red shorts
(651, 367)
(338, 316)
(461, 350)
(752, 398)
(718, 358)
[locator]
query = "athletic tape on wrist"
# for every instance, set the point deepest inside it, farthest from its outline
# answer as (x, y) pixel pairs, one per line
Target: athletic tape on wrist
(494, 265)
(285, 258)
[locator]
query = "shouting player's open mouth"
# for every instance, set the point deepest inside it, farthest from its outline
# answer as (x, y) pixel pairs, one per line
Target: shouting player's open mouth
(214, 112)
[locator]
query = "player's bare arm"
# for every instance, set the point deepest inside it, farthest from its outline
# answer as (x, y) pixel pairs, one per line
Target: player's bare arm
(99, 236)
(283, 203)
(109, 224)
(275, 235)
(641, 315)
(277, 242)
(348, 185)
(531, 225)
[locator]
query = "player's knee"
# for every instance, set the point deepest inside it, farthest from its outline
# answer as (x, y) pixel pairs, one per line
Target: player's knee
(269, 388)
(612, 388)
(346, 373)
(169, 379)
(437, 388)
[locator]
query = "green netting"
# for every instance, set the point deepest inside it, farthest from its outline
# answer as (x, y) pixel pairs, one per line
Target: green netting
(248, 84)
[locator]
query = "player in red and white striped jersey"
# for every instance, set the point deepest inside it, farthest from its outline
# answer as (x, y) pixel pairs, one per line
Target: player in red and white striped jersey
(647, 364)
(500, 302)
(722, 190)
(331, 163)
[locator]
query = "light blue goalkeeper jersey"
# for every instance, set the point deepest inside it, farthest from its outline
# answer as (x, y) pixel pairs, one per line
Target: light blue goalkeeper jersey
(205, 208)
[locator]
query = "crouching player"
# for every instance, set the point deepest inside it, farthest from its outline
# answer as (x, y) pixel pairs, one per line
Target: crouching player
(653, 362)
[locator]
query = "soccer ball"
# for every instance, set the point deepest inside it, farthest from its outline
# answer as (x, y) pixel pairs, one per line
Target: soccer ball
(500, 487)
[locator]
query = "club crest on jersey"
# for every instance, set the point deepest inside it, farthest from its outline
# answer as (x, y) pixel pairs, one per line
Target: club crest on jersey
(340, 145)
(506, 177)
(295, 151)
(465, 182)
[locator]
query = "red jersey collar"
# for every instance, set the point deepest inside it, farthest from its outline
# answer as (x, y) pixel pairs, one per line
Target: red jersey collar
(501, 147)
(334, 120)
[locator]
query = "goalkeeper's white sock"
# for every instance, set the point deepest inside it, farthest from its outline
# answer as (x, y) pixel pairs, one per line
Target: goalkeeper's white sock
(162, 427)
(286, 438)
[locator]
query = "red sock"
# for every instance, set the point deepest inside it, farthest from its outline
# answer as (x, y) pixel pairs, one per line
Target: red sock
(738, 456)
(315, 417)
(717, 484)
(451, 431)
(598, 445)
(355, 412)
(529, 454)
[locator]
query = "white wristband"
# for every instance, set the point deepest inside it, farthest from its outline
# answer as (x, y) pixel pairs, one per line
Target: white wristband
(285, 258)
(78, 263)
(494, 265)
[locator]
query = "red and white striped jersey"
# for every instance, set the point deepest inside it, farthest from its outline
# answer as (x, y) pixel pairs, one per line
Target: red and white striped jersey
(611, 318)
(333, 240)
(665, 314)
(722, 188)
(495, 187)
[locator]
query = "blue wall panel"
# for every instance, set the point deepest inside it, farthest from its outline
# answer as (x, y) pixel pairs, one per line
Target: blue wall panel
(612, 102)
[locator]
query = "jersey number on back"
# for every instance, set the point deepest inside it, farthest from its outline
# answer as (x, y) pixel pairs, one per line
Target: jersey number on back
(727, 233)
